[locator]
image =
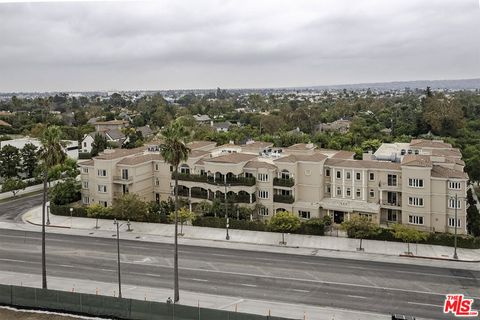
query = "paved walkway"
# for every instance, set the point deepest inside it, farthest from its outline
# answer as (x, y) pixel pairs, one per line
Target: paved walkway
(269, 241)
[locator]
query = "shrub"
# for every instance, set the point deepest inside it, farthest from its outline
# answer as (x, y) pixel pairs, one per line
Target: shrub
(64, 210)
(314, 226)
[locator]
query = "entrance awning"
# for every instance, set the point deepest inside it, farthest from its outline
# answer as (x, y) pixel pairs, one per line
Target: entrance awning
(348, 205)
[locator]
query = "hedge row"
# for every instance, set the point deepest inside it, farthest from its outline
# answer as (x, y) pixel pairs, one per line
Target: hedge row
(65, 211)
(307, 227)
(440, 239)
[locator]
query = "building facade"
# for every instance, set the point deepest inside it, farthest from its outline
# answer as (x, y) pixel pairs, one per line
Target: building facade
(417, 188)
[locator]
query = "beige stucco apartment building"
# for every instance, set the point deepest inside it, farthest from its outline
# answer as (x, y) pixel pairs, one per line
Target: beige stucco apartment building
(410, 183)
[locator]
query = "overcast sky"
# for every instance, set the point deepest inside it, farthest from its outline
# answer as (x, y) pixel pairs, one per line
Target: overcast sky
(232, 44)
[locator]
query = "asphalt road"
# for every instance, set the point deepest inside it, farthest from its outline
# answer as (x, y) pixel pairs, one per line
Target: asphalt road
(340, 283)
(12, 211)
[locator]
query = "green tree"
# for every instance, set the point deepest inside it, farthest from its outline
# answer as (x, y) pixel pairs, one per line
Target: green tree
(130, 207)
(444, 115)
(360, 228)
(184, 216)
(51, 153)
(99, 144)
(174, 150)
(98, 211)
(29, 159)
(65, 192)
(13, 185)
(408, 235)
(9, 161)
(284, 222)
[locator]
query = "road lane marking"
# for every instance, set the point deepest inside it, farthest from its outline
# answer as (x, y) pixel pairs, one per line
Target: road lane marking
(425, 304)
(248, 285)
(356, 297)
(196, 279)
(369, 281)
(300, 290)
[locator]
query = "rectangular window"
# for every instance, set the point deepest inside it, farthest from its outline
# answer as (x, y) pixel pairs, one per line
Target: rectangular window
(392, 215)
(304, 214)
(327, 172)
(102, 188)
(415, 219)
(262, 194)
(453, 205)
(102, 172)
(86, 200)
(359, 193)
(339, 174)
(156, 166)
(263, 177)
(365, 215)
(454, 185)
(372, 193)
(339, 191)
(171, 168)
(85, 170)
(392, 180)
(415, 202)
(349, 193)
(347, 176)
(103, 203)
(415, 183)
(358, 177)
(371, 176)
(263, 211)
(451, 223)
(157, 182)
(85, 184)
(327, 188)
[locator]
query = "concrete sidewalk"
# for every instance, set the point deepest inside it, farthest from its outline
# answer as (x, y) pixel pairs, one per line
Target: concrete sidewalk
(314, 245)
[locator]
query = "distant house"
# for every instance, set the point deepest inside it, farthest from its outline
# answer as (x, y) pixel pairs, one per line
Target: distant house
(109, 125)
(202, 118)
(70, 148)
(114, 135)
(145, 130)
(222, 126)
(340, 125)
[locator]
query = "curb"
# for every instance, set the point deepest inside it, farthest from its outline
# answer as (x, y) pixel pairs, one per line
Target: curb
(437, 258)
(49, 226)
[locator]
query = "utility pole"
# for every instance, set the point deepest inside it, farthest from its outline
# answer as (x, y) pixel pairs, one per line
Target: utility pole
(226, 212)
(115, 222)
(455, 256)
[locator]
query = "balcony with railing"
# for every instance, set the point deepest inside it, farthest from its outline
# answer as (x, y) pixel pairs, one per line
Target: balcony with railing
(232, 181)
(391, 203)
(122, 179)
(283, 198)
(281, 182)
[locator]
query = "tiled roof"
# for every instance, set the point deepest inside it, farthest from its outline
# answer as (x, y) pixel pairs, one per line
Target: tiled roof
(111, 154)
(232, 158)
(200, 144)
(443, 172)
(257, 145)
(364, 164)
(254, 164)
(5, 124)
(140, 159)
(343, 155)
(301, 146)
(198, 153)
(87, 163)
(422, 143)
(315, 157)
(415, 160)
(447, 152)
(115, 134)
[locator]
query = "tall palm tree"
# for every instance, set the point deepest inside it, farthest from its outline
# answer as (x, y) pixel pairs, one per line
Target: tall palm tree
(51, 153)
(174, 151)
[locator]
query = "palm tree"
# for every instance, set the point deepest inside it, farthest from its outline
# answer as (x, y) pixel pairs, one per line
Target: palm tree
(174, 151)
(51, 153)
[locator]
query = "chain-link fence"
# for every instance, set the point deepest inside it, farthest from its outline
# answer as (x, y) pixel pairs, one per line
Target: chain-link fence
(104, 306)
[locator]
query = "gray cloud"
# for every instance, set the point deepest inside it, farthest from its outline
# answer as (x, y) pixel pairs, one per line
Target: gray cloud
(209, 43)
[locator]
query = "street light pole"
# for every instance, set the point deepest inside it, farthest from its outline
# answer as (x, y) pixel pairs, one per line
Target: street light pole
(115, 222)
(226, 212)
(455, 256)
(71, 217)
